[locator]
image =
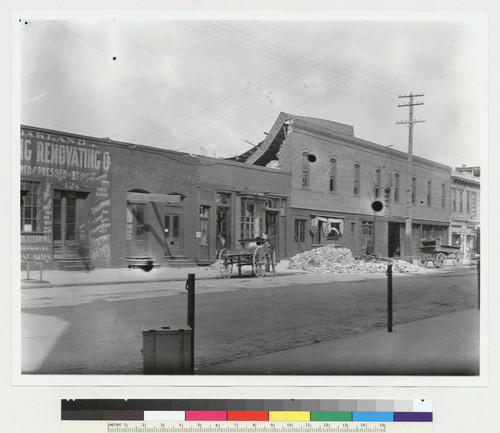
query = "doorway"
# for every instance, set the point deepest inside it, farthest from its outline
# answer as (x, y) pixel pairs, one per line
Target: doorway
(394, 242)
(172, 234)
(136, 229)
(70, 223)
(272, 229)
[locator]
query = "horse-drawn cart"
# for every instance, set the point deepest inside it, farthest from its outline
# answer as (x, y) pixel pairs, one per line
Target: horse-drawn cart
(255, 252)
(432, 251)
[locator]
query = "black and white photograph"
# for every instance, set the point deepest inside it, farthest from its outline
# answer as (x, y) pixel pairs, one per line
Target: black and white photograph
(250, 196)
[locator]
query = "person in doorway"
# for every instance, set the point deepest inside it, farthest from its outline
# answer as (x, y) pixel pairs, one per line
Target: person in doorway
(397, 252)
(369, 248)
(84, 254)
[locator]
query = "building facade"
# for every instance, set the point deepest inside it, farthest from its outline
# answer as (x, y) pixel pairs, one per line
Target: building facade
(89, 199)
(335, 180)
(310, 183)
(239, 201)
(113, 204)
(465, 210)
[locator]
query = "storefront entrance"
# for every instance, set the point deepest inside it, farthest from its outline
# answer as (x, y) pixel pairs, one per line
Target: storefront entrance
(272, 229)
(136, 230)
(394, 241)
(223, 222)
(172, 234)
(70, 224)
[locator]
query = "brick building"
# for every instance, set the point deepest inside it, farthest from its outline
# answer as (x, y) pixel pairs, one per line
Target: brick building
(89, 199)
(335, 178)
(114, 204)
(239, 201)
(311, 182)
(465, 209)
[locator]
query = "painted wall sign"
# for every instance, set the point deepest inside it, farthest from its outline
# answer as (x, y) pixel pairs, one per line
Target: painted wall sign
(36, 248)
(62, 158)
(66, 163)
(161, 198)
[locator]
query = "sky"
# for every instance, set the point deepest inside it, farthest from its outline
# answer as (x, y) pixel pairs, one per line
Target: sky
(215, 86)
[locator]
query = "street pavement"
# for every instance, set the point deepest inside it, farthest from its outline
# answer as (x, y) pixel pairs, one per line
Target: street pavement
(444, 345)
(451, 339)
(56, 278)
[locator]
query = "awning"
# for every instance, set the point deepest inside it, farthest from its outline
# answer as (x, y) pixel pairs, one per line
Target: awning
(330, 223)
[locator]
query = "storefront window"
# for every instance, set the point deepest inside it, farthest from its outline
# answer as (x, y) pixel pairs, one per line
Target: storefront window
(223, 227)
(300, 231)
(367, 233)
(29, 206)
(204, 210)
(252, 219)
(317, 235)
(223, 198)
(204, 219)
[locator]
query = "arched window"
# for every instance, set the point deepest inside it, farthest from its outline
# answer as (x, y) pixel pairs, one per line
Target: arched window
(396, 187)
(378, 181)
(305, 170)
(333, 175)
(357, 186)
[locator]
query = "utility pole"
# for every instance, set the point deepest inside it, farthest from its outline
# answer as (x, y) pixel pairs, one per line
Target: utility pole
(408, 247)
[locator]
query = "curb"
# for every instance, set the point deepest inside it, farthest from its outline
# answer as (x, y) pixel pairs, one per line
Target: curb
(48, 285)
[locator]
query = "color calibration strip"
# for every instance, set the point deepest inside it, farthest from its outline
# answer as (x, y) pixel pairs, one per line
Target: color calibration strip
(381, 411)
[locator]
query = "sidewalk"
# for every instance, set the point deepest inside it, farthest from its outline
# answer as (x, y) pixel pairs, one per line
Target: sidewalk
(56, 278)
(445, 345)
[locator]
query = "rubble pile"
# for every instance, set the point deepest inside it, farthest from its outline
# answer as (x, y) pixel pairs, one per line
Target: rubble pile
(331, 259)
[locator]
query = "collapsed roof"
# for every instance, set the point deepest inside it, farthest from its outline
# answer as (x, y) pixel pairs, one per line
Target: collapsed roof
(267, 150)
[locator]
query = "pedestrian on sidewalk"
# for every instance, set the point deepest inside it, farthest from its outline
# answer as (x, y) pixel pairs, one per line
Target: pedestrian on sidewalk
(369, 248)
(84, 254)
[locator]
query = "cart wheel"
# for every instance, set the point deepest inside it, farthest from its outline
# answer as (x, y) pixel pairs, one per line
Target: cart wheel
(422, 261)
(457, 258)
(225, 264)
(439, 260)
(259, 262)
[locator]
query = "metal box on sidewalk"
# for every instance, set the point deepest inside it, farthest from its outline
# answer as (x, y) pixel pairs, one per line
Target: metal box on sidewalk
(167, 351)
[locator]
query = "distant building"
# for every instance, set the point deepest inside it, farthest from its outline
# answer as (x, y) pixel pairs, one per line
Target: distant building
(465, 209)
(335, 179)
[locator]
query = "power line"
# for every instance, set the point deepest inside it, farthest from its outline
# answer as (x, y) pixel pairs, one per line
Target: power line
(410, 122)
(136, 69)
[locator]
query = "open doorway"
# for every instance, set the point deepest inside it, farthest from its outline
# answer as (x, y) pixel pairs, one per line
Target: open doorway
(394, 247)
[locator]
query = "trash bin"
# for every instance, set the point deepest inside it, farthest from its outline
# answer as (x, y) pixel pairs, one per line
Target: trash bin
(167, 351)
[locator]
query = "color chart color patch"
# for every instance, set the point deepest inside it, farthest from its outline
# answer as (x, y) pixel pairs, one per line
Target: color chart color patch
(249, 416)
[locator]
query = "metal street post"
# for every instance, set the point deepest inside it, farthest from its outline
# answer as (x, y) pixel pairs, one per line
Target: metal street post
(389, 297)
(479, 284)
(190, 285)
